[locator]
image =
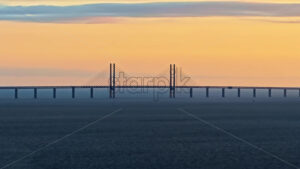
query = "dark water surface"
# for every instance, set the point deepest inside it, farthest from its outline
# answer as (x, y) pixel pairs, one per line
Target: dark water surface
(148, 134)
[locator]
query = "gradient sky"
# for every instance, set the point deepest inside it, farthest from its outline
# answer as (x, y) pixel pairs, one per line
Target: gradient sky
(233, 42)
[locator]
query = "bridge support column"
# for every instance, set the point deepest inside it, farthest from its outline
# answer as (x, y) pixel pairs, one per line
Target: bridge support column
(16, 93)
(239, 92)
(112, 82)
(254, 92)
(54, 93)
(285, 92)
(35, 93)
(223, 92)
(73, 92)
(92, 92)
(172, 80)
(207, 92)
(270, 92)
(191, 92)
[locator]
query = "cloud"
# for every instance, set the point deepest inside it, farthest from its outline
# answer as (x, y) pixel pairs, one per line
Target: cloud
(156, 9)
(279, 21)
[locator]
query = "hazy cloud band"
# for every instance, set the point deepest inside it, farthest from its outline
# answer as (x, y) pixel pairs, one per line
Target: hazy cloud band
(26, 72)
(167, 9)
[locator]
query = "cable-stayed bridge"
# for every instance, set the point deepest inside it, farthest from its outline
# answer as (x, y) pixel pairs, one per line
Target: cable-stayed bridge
(171, 86)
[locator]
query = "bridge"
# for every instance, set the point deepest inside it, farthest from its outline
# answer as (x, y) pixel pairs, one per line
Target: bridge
(172, 87)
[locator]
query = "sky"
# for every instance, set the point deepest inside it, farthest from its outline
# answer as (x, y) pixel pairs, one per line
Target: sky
(72, 42)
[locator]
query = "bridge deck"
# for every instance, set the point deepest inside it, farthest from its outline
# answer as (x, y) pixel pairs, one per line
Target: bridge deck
(226, 87)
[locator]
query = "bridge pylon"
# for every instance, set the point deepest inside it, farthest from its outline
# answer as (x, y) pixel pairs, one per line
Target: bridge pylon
(112, 80)
(172, 80)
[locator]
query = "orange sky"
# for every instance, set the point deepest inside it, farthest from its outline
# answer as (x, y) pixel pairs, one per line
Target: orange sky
(212, 50)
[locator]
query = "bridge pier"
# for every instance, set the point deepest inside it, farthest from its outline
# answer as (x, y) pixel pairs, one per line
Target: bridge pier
(73, 92)
(270, 92)
(35, 93)
(92, 93)
(16, 93)
(239, 92)
(254, 92)
(284, 92)
(191, 92)
(223, 92)
(207, 91)
(54, 93)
